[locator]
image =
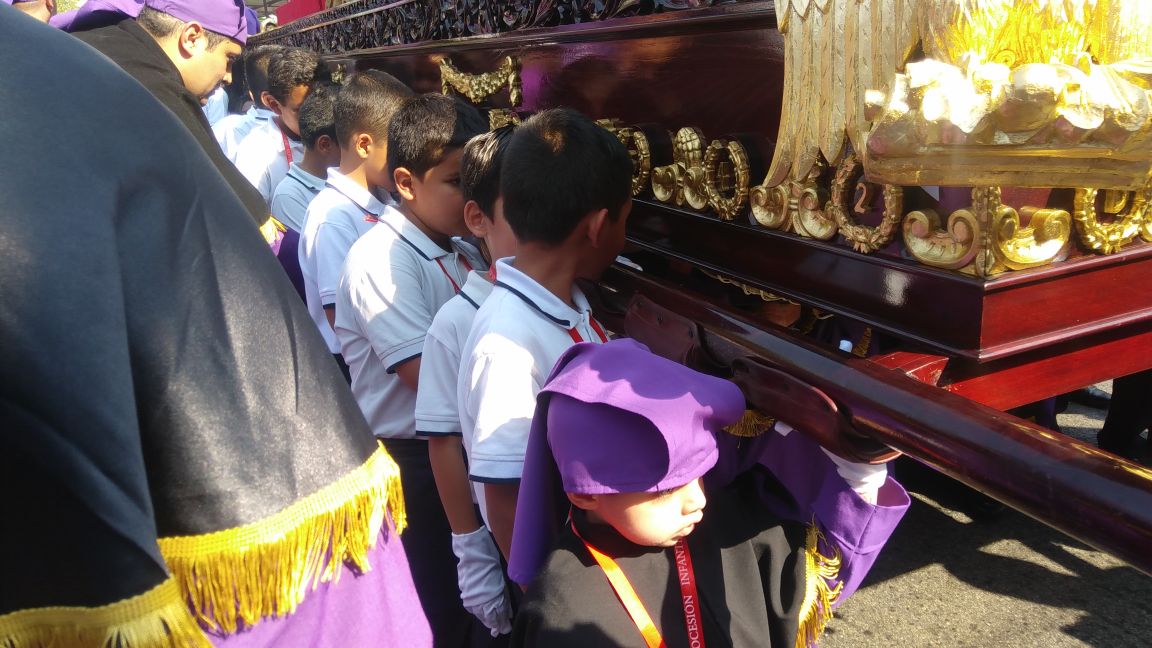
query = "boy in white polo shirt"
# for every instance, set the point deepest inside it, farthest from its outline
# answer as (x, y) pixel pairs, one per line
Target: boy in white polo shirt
(306, 177)
(350, 203)
(395, 279)
(263, 156)
(566, 184)
(480, 574)
(230, 130)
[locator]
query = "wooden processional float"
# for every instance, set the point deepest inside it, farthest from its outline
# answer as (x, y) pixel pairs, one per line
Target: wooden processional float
(960, 185)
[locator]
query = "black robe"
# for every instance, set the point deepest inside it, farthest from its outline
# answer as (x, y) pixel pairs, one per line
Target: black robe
(138, 54)
(749, 570)
(158, 374)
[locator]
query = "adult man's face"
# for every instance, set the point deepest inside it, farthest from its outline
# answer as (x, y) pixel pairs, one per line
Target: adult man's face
(205, 66)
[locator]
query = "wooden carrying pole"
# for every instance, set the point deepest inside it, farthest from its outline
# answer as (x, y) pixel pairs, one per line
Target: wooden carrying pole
(1076, 488)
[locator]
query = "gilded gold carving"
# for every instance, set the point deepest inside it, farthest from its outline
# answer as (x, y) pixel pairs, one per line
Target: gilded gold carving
(722, 176)
(953, 247)
(1044, 239)
(806, 207)
(680, 182)
(988, 237)
(478, 87)
(500, 117)
(1107, 238)
(751, 291)
(1034, 93)
(638, 149)
(842, 206)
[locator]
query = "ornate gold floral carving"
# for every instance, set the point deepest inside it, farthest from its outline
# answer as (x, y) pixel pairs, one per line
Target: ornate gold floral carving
(795, 206)
(638, 149)
(726, 176)
(1107, 238)
(770, 205)
(478, 87)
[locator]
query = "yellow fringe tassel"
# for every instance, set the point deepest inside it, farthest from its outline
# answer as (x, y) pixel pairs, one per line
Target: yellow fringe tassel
(816, 611)
(266, 568)
(752, 424)
(158, 617)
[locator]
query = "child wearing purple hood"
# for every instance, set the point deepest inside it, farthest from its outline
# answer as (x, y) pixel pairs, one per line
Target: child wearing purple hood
(641, 522)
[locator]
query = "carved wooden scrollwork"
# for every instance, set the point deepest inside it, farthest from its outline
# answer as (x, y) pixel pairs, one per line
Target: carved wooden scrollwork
(1107, 238)
(1042, 241)
(953, 246)
(379, 23)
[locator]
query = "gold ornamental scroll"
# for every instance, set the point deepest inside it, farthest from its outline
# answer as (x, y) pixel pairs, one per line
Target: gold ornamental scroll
(478, 87)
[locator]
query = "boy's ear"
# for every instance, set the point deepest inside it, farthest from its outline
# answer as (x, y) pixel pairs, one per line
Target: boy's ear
(475, 219)
(362, 144)
(586, 502)
(597, 222)
(271, 103)
(404, 181)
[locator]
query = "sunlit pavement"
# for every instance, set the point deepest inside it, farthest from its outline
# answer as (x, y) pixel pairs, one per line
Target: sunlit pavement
(958, 574)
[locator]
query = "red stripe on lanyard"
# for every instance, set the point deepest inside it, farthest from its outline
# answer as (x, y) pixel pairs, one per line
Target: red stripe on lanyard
(287, 147)
(455, 286)
(577, 338)
(688, 596)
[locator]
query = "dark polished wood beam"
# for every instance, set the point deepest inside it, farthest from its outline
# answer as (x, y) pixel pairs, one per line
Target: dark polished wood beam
(1076, 488)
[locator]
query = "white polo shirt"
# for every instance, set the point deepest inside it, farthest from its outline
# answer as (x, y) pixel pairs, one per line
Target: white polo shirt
(264, 154)
(217, 106)
(290, 199)
(339, 215)
(233, 128)
(519, 333)
(395, 280)
(437, 412)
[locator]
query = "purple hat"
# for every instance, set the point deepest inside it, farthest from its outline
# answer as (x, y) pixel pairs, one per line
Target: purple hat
(613, 418)
(225, 17)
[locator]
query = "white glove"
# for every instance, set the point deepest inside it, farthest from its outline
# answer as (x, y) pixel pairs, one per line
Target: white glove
(865, 479)
(481, 580)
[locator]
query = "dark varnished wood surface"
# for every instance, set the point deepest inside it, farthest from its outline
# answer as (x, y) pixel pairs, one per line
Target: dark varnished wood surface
(719, 69)
(1103, 500)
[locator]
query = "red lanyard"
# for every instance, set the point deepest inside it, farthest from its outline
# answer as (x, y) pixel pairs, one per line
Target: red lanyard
(287, 147)
(576, 337)
(635, 607)
(455, 286)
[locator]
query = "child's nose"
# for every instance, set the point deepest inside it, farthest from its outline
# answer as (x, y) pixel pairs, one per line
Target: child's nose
(694, 498)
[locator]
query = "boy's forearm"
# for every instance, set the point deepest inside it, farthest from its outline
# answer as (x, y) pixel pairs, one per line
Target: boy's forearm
(444, 453)
(501, 504)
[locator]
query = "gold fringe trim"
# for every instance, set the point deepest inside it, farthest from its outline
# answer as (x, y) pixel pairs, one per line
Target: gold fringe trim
(752, 424)
(266, 568)
(816, 611)
(271, 229)
(158, 617)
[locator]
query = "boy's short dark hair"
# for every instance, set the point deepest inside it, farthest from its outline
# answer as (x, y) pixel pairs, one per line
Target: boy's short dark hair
(161, 25)
(367, 103)
(426, 128)
(256, 64)
(293, 67)
(559, 167)
(480, 167)
(317, 116)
